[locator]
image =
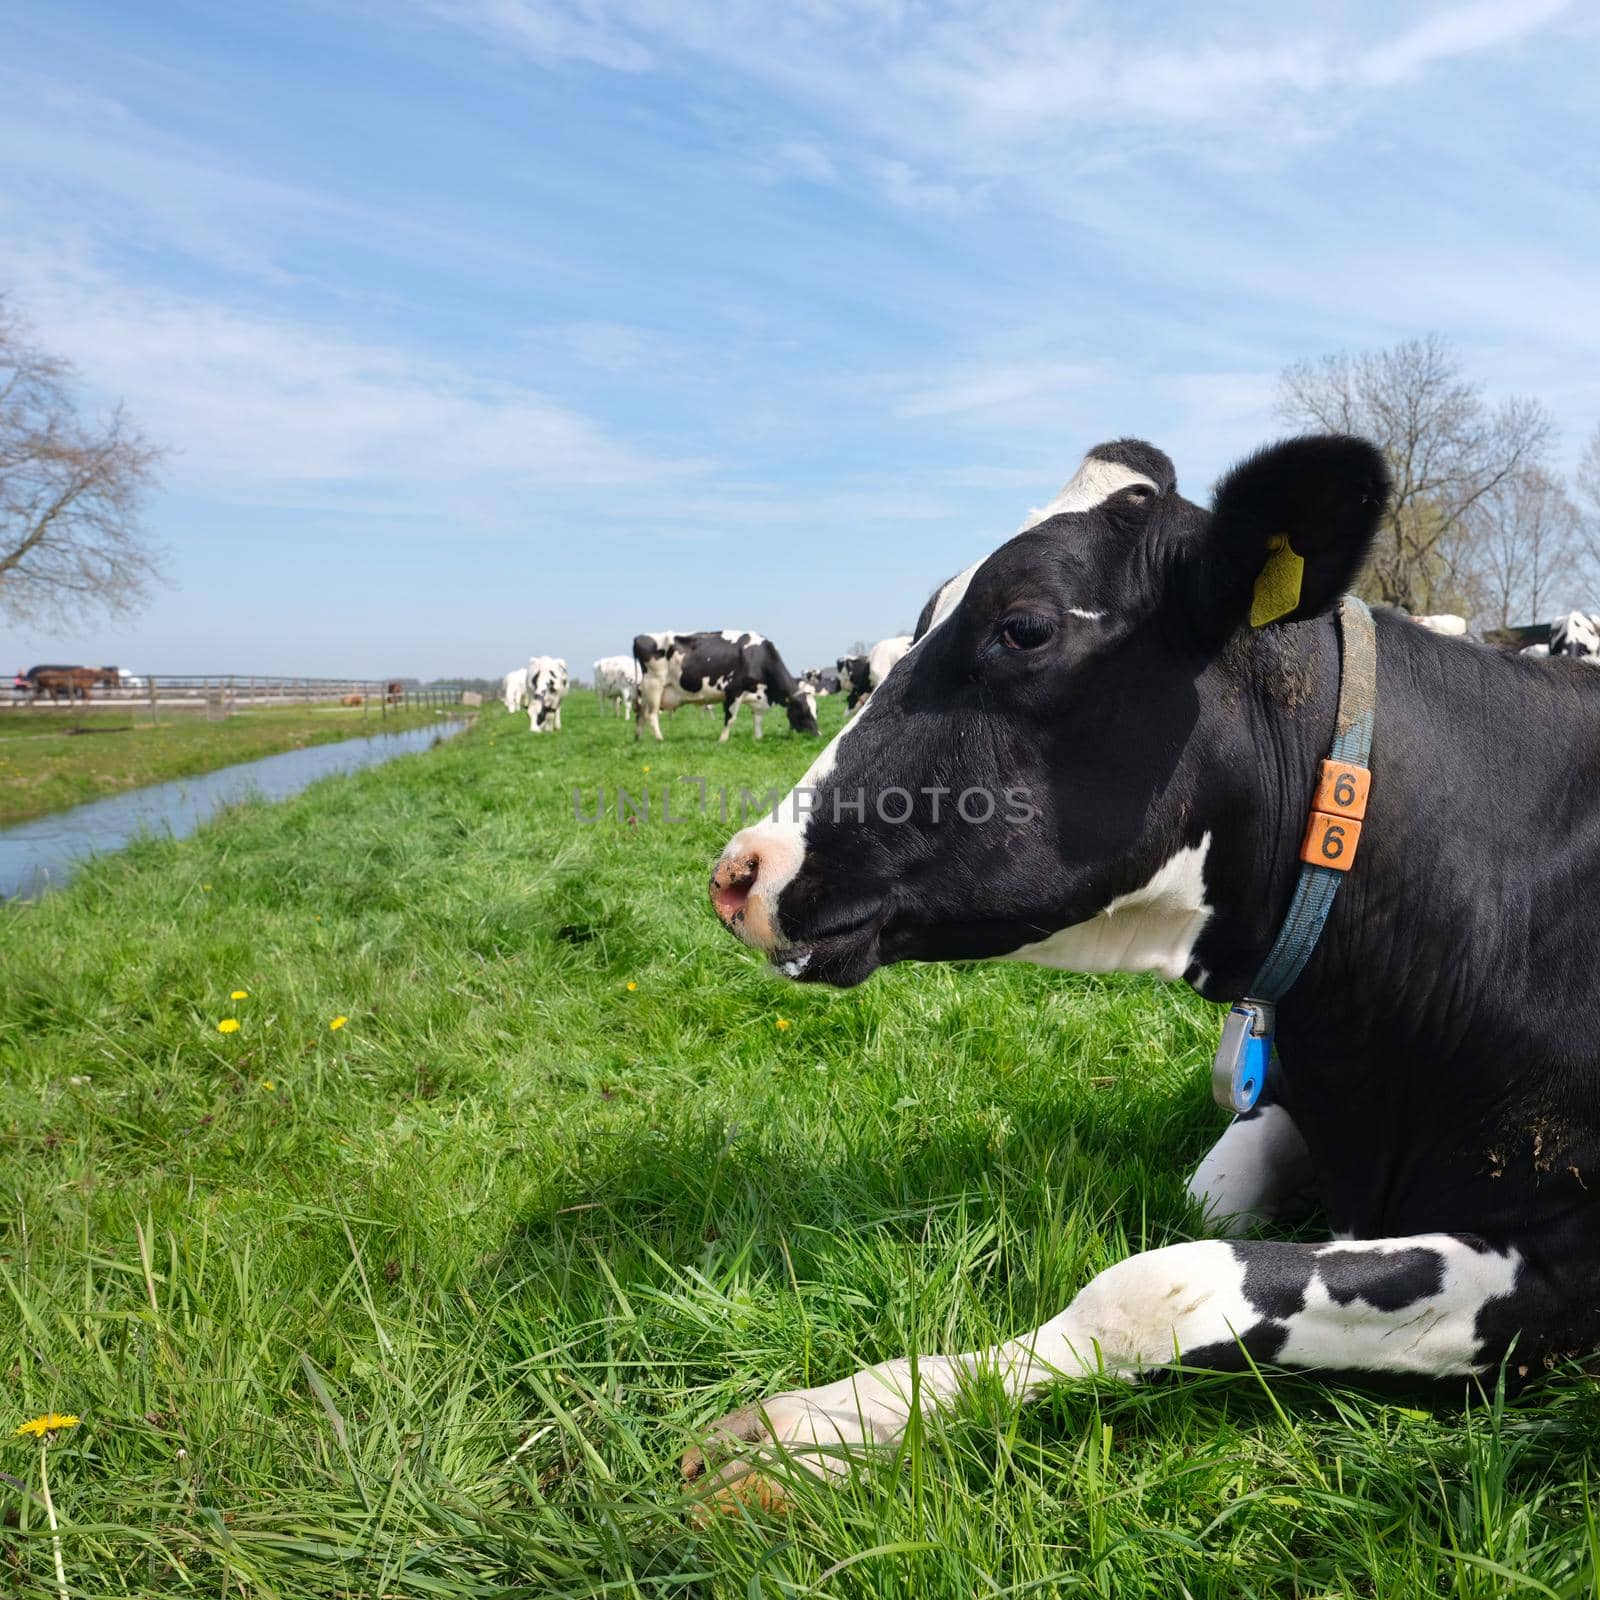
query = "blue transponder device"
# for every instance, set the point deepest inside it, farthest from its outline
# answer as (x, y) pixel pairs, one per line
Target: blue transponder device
(1239, 1069)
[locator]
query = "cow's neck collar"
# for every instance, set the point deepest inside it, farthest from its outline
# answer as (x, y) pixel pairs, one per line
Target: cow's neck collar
(1239, 1070)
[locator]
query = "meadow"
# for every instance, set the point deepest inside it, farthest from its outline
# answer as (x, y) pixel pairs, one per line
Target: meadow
(516, 1171)
(52, 759)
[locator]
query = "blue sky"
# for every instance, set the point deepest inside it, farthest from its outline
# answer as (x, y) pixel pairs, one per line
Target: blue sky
(479, 328)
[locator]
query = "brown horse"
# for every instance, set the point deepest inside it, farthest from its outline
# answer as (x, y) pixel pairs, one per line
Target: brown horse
(73, 682)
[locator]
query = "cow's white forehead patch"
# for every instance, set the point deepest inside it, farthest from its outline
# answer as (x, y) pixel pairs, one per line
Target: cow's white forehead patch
(1092, 484)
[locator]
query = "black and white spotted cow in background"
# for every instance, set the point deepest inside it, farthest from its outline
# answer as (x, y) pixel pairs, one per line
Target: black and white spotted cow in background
(677, 669)
(853, 679)
(865, 673)
(823, 679)
(547, 688)
(1577, 635)
(1437, 1082)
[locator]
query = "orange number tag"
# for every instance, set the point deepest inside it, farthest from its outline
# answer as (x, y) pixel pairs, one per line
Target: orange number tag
(1331, 841)
(1342, 789)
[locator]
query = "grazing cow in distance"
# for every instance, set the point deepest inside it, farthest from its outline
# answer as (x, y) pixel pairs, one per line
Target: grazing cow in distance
(853, 679)
(617, 678)
(1156, 730)
(547, 688)
(678, 669)
(514, 688)
(823, 679)
(1577, 635)
(866, 672)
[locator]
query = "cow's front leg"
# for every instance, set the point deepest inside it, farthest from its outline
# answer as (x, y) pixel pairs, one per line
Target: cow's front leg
(1259, 1170)
(730, 709)
(1407, 1306)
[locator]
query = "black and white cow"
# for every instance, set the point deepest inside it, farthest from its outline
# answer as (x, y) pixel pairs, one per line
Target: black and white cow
(823, 679)
(853, 679)
(547, 688)
(865, 673)
(677, 669)
(1149, 760)
(1576, 635)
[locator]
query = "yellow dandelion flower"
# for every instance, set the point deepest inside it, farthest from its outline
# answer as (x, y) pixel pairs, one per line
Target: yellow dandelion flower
(647, 769)
(228, 1025)
(783, 1023)
(205, 888)
(337, 1023)
(267, 1083)
(240, 994)
(50, 1422)
(631, 986)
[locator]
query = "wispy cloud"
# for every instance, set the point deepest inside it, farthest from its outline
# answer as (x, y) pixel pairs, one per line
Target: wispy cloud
(252, 400)
(988, 88)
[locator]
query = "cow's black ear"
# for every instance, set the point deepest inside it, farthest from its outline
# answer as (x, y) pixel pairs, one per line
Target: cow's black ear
(1290, 530)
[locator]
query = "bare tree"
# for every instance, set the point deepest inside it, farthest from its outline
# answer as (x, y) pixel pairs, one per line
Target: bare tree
(1529, 546)
(1589, 473)
(1447, 449)
(71, 493)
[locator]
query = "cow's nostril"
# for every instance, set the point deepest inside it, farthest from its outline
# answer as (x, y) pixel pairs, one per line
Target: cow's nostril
(731, 884)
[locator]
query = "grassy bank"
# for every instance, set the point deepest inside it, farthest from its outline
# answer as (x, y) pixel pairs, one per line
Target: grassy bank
(427, 1303)
(53, 759)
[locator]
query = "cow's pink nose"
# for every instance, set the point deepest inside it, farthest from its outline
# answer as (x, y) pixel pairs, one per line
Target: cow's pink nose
(731, 882)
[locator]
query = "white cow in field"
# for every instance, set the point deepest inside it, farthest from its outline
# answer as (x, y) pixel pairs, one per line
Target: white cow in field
(547, 688)
(617, 678)
(514, 688)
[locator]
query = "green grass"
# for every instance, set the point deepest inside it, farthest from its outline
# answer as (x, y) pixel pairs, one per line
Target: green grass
(53, 759)
(430, 1304)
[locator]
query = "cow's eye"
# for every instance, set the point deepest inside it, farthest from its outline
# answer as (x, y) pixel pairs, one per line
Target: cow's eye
(1025, 632)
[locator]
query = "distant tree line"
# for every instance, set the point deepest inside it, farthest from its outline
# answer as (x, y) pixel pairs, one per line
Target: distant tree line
(1481, 522)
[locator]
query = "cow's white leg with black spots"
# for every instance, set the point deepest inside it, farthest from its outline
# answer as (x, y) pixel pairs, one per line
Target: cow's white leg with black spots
(1411, 1306)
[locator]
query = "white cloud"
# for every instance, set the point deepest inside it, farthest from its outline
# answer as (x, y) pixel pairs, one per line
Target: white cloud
(247, 401)
(1002, 392)
(1455, 31)
(988, 88)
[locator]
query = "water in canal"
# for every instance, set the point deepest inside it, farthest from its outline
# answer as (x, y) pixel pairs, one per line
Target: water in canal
(40, 855)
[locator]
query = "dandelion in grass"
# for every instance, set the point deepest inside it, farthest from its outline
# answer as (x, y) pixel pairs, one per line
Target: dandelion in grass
(50, 1423)
(783, 1024)
(268, 1085)
(631, 986)
(240, 994)
(337, 1024)
(228, 1025)
(45, 1429)
(647, 769)
(205, 888)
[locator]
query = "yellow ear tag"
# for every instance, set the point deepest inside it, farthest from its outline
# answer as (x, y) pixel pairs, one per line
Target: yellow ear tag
(1278, 586)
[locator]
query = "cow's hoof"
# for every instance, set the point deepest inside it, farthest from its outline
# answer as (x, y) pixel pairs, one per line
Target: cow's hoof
(726, 1475)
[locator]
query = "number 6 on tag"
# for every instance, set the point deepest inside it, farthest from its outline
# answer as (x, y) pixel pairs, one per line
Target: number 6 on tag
(1330, 841)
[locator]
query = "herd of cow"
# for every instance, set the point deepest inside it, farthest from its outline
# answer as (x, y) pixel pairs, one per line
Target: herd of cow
(667, 670)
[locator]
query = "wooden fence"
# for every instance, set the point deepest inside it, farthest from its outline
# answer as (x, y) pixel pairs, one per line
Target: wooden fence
(219, 694)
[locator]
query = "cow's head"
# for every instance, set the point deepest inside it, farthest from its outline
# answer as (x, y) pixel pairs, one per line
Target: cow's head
(1039, 774)
(802, 709)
